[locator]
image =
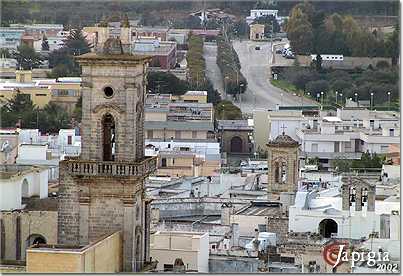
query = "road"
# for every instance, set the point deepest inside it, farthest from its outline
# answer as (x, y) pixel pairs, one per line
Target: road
(255, 66)
(213, 73)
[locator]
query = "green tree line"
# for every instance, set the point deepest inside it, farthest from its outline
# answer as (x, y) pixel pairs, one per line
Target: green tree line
(311, 31)
(228, 62)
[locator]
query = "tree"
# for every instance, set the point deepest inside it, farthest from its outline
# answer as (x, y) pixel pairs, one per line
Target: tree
(78, 110)
(300, 32)
(393, 45)
(62, 60)
(166, 83)
(76, 43)
(27, 58)
(317, 86)
(45, 43)
(125, 21)
(20, 107)
(60, 70)
(270, 24)
(318, 63)
(226, 110)
(4, 53)
(341, 164)
(53, 118)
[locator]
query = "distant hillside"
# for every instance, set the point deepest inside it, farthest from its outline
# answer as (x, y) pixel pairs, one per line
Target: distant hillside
(80, 13)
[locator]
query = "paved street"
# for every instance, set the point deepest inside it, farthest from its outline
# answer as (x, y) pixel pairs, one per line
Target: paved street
(213, 73)
(256, 69)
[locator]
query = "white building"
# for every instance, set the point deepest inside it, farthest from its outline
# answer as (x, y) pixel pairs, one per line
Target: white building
(55, 42)
(313, 210)
(18, 182)
(331, 137)
(191, 247)
(271, 123)
(260, 13)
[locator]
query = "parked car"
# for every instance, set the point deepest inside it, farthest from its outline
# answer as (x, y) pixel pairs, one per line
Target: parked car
(277, 39)
(279, 51)
(257, 48)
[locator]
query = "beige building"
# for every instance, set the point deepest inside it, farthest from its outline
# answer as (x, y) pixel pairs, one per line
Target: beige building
(39, 94)
(261, 129)
(256, 32)
(192, 97)
(63, 91)
(66, 92)
(185, 117)
(191, 247)
(101, 256)
(235, 136)
(179, 163)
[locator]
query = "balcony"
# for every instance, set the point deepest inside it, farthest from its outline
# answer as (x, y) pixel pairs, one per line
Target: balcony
(109, 168)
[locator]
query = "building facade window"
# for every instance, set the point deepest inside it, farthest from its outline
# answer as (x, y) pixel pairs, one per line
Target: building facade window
(149, 134)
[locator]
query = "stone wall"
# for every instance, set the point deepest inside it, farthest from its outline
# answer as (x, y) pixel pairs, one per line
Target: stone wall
(233, 265)
(125, 105)
(278, 225)
(91, 207)
(32, 224)
(103, 256)
(226, 137)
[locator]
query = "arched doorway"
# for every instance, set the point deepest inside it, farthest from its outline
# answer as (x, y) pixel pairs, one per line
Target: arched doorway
(24, 188)
(108, 137)
(35, 239)
(236, 144)
(327, 227)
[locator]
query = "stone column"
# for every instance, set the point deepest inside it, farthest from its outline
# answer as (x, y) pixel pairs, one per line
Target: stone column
(69, 208)
(358, 198)
(371, 199)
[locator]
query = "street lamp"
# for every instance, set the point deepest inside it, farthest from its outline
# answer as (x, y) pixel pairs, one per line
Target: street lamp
(322, 97)
(356, 97)
(240, 97)
(225, 86)
(281, 103)
(372, 100)
(388, 101)
(336, 96)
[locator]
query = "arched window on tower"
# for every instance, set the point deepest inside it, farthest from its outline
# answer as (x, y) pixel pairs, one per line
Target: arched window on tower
(276, 172)
(352, 195)
(364, 196)
(283, 172)
(139, 131)
(108, 139)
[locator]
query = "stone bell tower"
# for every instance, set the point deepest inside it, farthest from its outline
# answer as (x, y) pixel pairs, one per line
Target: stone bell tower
(102, 191)
(282, 166)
